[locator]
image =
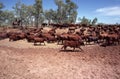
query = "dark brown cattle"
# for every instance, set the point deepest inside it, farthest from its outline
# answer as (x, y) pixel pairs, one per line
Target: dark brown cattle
(72, 44)
(51, 39)
(40, 40)
(13, 37)
(62, 37)
(30, 38)
(112, 39)
(74, 37)
(48, 36)
(3, 35)
(21, 35)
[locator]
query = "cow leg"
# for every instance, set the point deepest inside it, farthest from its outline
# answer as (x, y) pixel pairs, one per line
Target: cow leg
(80, 48)
(34, 42)
(65, 47)
(73, 48)
(40, 43)
(9, 39)
(62, 47)
(62, 41)
(44, 43)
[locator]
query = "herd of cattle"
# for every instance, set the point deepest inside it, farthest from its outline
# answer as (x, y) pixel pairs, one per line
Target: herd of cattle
(74, 37)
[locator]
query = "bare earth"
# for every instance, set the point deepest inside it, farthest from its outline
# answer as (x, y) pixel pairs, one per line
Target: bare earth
(22, 60)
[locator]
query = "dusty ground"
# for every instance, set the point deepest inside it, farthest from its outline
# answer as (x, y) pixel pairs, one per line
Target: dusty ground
(22, 60)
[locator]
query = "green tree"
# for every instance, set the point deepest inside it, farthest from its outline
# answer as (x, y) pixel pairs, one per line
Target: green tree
(48, 15)
(1, 6)
(94, 21)
(84, 20)
(61, 5)
(17, 9)
(6, 17)
(87, 21)
(25, 13)
(71, 11)
(30, 15)
(66, 11)
(1, 17)
(38, 11)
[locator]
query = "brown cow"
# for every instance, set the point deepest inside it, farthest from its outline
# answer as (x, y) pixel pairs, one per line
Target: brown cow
(40, 40)
(72, 44)
(13, 37)
(3, 35)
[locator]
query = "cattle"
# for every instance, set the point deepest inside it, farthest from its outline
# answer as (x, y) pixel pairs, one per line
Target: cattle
(51, 39)
(62, 37)
(112, 39)
(40, 40)
(48, 36)
(30, 38)
(13, 37)
(3, 35)
(74, 37)
(72, 44)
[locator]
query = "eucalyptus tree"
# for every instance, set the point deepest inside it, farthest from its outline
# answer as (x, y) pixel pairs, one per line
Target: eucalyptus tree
(38, 11)
(27, 14)
(23, 13)
(17, 9)
(1, 17)
(66, 11)
(71, 11)
(94, 21)
(30, 17)
(1, 7)
(61, 5)
(8, 17)
(48, 15)
(87, 21)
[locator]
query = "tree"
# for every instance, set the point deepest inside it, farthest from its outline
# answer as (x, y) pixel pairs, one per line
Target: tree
(17, 9)
(38, 10)
(94, 21)
(30, 18)
(25, 13)
(71, 11)
(1, 17)
(84, 20)
(1, 5)
(66, 12)
(60, 4)
(87, 21)
(49, 15)
(6, 17)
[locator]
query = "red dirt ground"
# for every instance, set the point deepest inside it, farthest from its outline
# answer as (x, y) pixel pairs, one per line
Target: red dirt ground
(22, 60)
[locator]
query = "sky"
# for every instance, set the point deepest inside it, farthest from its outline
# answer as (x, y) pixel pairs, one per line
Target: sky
(107, 11)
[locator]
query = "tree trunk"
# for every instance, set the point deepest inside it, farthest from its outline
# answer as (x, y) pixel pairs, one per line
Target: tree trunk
(36, 22)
